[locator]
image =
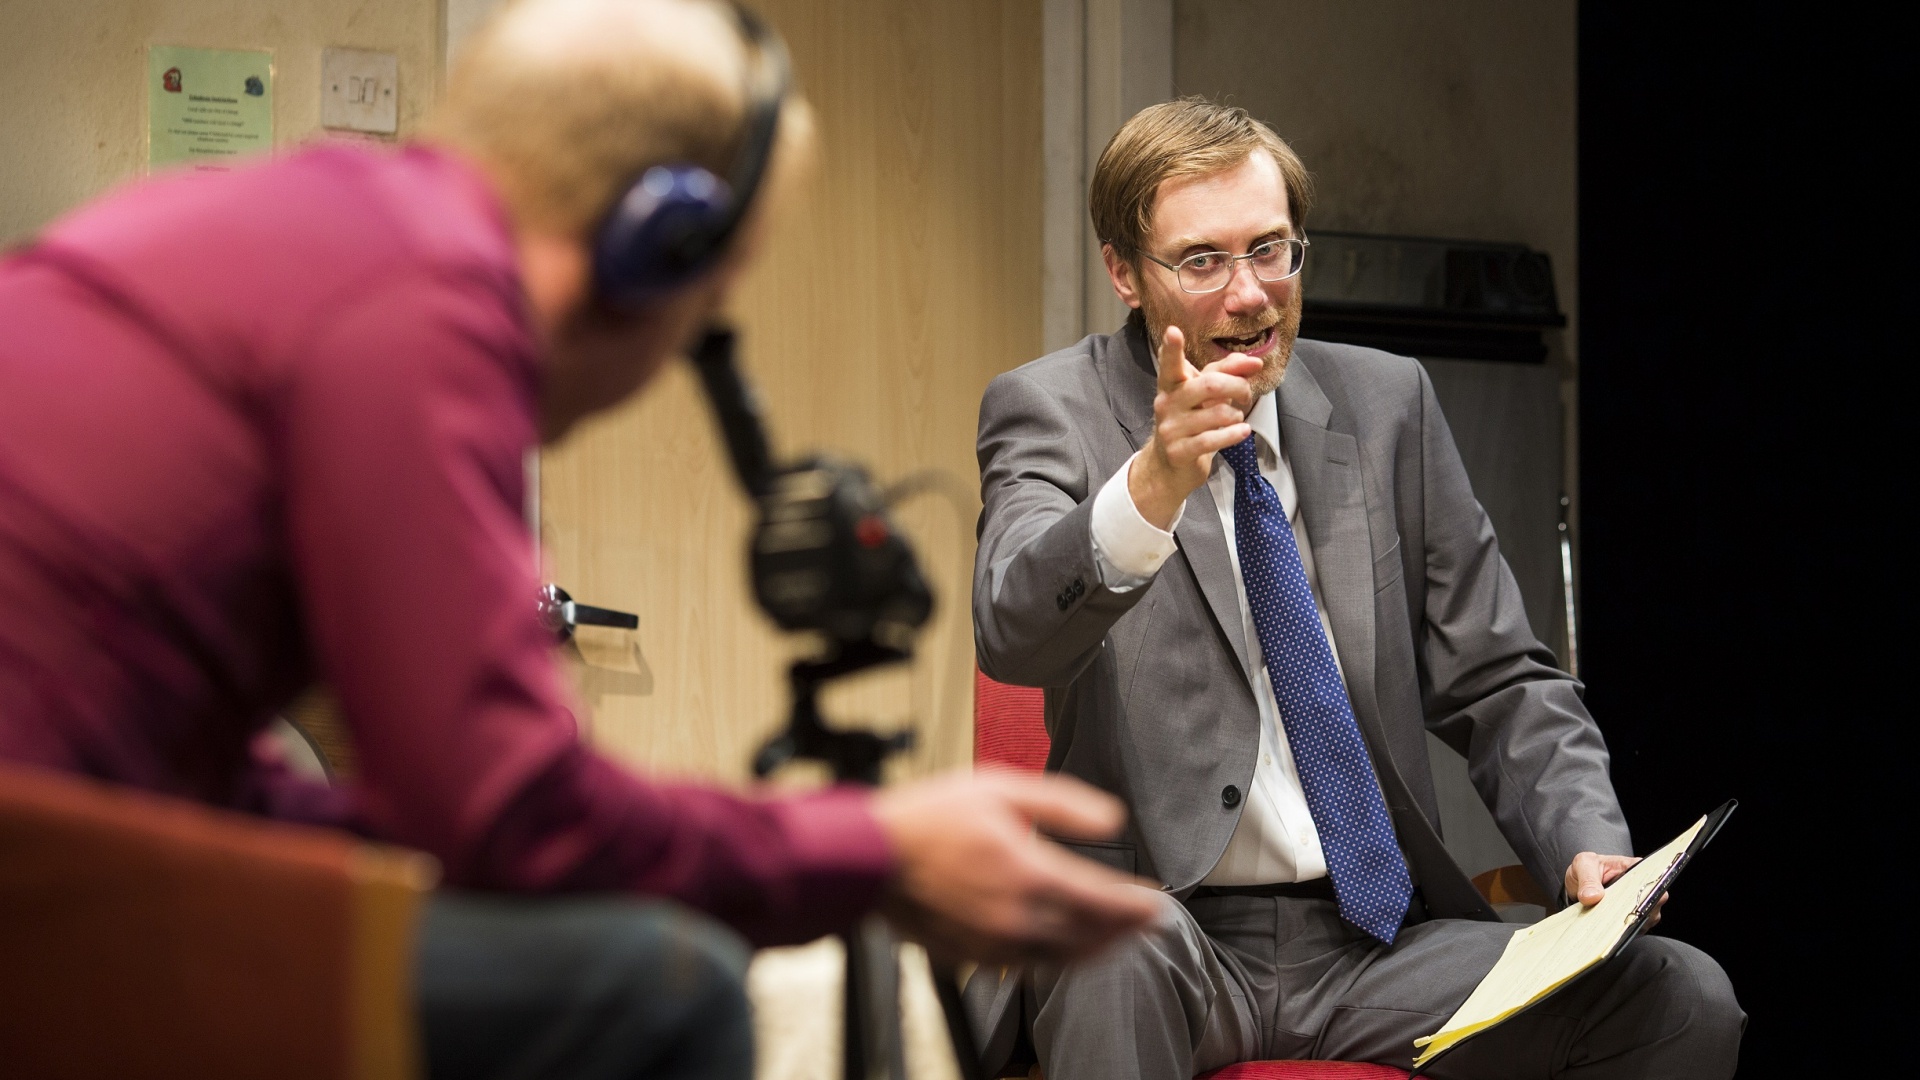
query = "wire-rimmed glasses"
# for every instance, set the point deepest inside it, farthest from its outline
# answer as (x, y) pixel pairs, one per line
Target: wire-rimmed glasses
(1209, 271)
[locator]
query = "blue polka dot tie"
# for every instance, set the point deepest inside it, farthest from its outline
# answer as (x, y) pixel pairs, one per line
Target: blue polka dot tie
(1369, 875)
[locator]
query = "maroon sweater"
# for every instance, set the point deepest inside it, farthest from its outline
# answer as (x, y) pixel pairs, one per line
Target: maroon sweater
(266, 427)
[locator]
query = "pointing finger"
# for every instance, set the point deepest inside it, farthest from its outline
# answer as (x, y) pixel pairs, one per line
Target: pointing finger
(1174, 368)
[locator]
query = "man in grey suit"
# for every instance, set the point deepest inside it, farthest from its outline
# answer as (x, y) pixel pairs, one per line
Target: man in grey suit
(1250, 573)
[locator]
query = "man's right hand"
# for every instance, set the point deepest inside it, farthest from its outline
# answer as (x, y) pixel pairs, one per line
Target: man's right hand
(975, 882)
(1195, 415)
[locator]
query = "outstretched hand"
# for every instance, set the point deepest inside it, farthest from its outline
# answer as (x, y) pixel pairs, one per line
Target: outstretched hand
(1196, 413)
(975, 882)
(1590, 874)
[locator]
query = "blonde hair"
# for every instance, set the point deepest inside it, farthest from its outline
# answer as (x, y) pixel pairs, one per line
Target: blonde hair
(566, 101)
(1188, 137)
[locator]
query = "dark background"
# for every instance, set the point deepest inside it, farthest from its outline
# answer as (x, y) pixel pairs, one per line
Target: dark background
(1746, 269)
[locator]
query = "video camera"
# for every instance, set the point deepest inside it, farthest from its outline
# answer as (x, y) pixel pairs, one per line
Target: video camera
(824, 557)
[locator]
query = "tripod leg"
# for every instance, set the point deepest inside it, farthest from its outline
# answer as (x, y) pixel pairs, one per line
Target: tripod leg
(966, 1048)
(873, 1046)
(856, 1012)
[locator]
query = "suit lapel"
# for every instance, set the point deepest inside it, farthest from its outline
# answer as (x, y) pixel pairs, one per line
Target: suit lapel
(1326, 470)
(1204, 543)
(1126, 367)
(1130, 391)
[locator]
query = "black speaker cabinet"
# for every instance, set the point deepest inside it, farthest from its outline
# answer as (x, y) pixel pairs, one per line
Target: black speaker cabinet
(1425, 297)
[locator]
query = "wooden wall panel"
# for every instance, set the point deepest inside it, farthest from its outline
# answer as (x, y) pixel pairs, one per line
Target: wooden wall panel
(902, 279)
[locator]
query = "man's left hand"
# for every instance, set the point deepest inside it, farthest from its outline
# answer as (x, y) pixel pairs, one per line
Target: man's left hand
(1590, 874)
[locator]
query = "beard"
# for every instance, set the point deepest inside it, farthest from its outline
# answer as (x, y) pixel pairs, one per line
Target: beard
(1201, 349)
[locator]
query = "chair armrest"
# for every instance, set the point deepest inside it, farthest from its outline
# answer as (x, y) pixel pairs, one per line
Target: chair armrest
(139, 929)
(1510, 885)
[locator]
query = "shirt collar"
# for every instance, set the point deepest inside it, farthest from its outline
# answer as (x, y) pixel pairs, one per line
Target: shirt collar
(1265, 420)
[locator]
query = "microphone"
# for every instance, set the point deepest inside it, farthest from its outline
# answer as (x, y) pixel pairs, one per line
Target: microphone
(734, 407)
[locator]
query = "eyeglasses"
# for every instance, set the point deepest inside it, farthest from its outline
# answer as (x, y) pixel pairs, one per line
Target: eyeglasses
(1209, 271)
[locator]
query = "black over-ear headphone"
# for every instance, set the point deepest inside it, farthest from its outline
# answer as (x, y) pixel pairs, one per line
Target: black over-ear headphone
(675, 219)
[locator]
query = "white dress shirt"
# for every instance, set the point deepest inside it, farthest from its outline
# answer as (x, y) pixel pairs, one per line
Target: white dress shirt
(1275, 840)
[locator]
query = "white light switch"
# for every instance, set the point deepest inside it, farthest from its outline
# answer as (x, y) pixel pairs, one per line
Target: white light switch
(359, 90)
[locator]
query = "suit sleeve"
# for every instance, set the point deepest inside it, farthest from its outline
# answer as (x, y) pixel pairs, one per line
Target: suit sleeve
(1040, 606)
(1493, 692)
(403, 435)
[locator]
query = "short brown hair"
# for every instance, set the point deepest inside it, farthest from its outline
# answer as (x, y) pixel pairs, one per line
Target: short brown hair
(1188, 137)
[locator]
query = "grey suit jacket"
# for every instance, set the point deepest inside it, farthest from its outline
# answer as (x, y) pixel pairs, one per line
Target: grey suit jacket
(1147, 692)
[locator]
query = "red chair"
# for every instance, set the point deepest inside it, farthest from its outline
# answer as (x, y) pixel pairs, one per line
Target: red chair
(1009, 729)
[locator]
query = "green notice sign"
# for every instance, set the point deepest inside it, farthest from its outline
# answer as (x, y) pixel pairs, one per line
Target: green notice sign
(206, 107)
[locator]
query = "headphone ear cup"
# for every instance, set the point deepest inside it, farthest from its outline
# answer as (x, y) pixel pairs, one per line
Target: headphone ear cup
(660, 234)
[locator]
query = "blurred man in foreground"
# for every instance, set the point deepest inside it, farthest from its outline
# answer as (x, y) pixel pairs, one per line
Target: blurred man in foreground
(267, 427)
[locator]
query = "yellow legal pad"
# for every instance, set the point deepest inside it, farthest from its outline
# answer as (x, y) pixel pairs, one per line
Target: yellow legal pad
(1554, 951)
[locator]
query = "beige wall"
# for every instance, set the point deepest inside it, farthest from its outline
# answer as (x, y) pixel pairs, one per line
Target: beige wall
(903, 279)
(74, 123)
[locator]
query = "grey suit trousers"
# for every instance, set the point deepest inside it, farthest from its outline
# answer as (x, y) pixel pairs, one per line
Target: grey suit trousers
(1222, 979)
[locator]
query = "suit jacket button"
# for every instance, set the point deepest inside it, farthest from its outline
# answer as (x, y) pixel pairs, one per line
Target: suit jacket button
(1064, 601)
(1230, 796)
(1079, 587)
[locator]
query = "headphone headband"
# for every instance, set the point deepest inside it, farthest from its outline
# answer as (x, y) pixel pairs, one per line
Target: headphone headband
(768, 78)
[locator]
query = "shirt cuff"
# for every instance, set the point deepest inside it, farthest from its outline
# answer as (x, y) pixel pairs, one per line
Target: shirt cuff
(1127, 547)
(842, 863)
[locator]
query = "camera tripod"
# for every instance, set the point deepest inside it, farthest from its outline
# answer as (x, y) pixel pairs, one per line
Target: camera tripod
(872, 1044)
